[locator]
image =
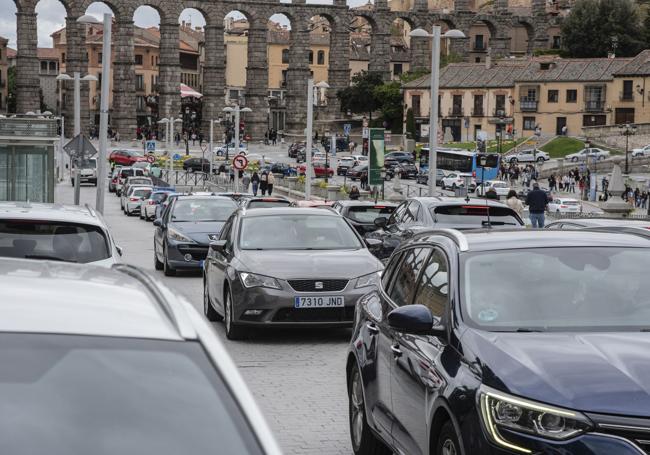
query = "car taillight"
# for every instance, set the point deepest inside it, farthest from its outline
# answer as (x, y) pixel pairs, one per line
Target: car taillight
(134, 199)
(114, 180)
(151, 202)
(473, 173)
(564, 206)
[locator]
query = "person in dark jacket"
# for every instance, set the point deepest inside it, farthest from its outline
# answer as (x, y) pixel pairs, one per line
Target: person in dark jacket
(255, 180)
(536, 200)
(491, 194)
(264, 182)
(354, 193)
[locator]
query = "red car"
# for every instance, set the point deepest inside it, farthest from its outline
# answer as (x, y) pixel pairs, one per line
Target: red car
(125, 157)
(319, 170)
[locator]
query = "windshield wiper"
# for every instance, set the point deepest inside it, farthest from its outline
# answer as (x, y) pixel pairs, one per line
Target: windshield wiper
(529, 330)
(46, 257)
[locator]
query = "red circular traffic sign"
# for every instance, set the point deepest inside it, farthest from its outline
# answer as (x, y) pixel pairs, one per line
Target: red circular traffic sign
(240, 162)
(151, 159)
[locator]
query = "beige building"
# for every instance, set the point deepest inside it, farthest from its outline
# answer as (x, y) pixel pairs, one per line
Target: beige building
(630, 101)
(48, 69)
(4, 67)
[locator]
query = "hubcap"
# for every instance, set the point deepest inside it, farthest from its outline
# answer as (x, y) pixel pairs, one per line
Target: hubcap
(449, 448)
(356, 410)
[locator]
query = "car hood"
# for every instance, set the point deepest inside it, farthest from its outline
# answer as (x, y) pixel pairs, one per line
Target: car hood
(199, 231)
(605, 373)
(289, 264)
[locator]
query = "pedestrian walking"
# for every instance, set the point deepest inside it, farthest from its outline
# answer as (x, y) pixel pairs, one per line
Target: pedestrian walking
(354, 193)
(537, 201)
(270, 183)
(255, 180)
(264, 183)
(364, 180)
(245, 181)
(514, 203)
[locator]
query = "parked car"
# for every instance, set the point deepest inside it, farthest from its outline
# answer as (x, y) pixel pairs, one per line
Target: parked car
(611, 224)
(264, 202)
(294, 147)
(319, 169)
(588, 153)
(116, 361)
(125, 157)
(416, 214)
(124, 174)
(344, 164)
(400, 157)
(423, 177)
(445, 358)
(355, 172)
(501, 187)
(130, 181)
(87, 172)
(185, 229)
(642, 151)
(362, 214)
(148, 206)
(528, 156)
(300, 154)
(56, 232)
(454, 180)
(564, 205)
(360, 159)
(196, 165)
(115, 176)
(321, 204)
(144, 165)
(135, 198)
(523, 193)
(342, 144)
(286, 267)
(230, 148)
(283, 168)
(404, 169)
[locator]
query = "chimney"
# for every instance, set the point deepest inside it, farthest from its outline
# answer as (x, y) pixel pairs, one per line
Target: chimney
(488, 62)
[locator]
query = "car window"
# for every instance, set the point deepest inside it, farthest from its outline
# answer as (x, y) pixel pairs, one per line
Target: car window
(433, 285)
(225, 232)
(475, 215)
(368, 214)
(412, 212)
(393, 265)
(404, 285)
(396, 216)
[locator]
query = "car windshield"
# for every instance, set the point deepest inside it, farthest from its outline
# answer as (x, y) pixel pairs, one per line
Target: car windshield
(590, 288)
(261, 204)
(474, 216)
(297, 232)
(88, 164)
(203, 209)
(78, 395)
(370, 213)
(53, 241)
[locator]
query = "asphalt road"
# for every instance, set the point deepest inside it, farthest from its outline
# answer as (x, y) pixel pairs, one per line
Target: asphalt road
(297, 376)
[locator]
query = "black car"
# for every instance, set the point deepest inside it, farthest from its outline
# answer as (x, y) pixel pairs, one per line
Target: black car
(523, 193)
(502, 343)
(263, 202)
(196, 165)
(362, 214)
(300, 154)
(355, 172)
(400, 157)
(283, 168)
(423, 177)
(185, 229)
(293, 148)
(421, 213)
(404, 170)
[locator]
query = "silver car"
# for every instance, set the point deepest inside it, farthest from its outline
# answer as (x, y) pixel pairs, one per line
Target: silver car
(57, 232)
(135, 198)
(110, 361)
(286, 267)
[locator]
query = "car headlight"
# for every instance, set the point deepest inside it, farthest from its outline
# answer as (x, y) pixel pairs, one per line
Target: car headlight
(500, 410)
(253, 280)
(372, 279)
(176, 235)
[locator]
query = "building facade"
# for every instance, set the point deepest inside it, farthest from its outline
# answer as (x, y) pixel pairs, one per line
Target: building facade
(4, 77)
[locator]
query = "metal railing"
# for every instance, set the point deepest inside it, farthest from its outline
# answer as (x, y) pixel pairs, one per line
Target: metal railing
(626, 96)
(478, 112)
(528, 105)
(499, 113)
(28, 125)
(594, 105)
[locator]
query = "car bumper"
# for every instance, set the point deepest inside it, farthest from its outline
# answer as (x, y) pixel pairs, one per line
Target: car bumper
(277, 307)
(188, 256)
(132, 207)
(149, 211)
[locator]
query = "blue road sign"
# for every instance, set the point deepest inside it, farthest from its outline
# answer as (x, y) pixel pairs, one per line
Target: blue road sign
(347, 127)
(151, 146)
(176, 157)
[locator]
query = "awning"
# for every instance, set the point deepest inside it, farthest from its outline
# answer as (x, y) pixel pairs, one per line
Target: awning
(189, 92)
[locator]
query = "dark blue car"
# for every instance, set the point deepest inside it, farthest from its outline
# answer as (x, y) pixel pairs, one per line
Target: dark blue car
(505, 342)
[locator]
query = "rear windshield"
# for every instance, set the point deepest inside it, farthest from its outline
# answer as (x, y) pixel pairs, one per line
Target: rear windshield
(79, 395)
(88, 164)
(139, 181)
(138, 192)
(159, 197)
(475, 215)
(369, 214)
(267, 204)
(130, 172)
(569, 203)
(52, 241)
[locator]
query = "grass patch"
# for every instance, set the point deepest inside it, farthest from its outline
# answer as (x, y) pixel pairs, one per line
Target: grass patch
(563, 146)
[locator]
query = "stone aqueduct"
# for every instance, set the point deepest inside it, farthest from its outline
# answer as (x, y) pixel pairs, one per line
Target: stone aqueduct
(123, 115)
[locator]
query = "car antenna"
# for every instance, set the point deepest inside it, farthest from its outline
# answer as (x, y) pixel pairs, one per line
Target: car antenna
(483, 163)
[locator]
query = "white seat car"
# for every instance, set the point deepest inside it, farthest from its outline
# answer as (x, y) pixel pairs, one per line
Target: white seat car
(564, 205)
(134, 199)
(643, 151)
(502, 188)
(455, 180)
(588, 153)
(87, 172)
(529, 156)
(221, 150)
(110, 361)
(56, 232)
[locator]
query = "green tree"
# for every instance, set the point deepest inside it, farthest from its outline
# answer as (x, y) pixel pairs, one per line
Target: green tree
(359, 97)
(645, 32)
(11, 88)
(410, 123)
(389, 97)
(596, 27)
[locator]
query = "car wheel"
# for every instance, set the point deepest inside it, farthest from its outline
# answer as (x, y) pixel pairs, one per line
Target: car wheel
(208, 309)
(574, 159)
(540, 159)
(167, 270)
(233, 331)
(453, 187)
(447, 441)
(364, 442)
(513, 160)
(156, 263)
(141, 215)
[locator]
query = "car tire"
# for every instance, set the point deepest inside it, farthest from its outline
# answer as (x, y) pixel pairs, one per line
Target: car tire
(208, 310)
(156, 263)
(513, 160)
(574, 159)
(447, 443)
(364, 441)
(167, 270)
(141, 216)
(233, 331)
(540, 159)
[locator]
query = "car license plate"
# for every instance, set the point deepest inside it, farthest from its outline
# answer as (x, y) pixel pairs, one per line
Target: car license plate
(319, 302)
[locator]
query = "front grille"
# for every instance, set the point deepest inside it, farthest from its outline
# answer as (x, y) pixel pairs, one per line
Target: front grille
(636, 430)
(318, 285)
(198, 253)
(344, 314)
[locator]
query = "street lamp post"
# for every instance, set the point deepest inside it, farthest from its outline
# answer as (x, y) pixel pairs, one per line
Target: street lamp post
(211, 146)
(237, 110)
(627, 130)
(435, 79)
(309, 133)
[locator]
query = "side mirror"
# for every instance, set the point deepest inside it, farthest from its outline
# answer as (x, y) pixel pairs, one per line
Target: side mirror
(119, 250)
(373, 243)
(218, 246)
(416, 319)
(381, 222)
(157, 222)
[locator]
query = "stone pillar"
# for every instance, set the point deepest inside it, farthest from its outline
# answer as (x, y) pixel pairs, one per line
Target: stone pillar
(460, 46)
(540, 24)
(380, 49)
(257, 80)
(214, 77)
(338, 74)
(297, 75)
(76, 60)
(500, 46)
(27, 83)
(123, 110)
(421, 53)
(169, 72)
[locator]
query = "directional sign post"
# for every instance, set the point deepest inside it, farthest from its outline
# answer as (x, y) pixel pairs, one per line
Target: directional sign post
(80, 150)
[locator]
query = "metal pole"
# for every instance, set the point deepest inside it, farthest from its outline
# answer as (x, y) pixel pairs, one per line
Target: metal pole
(171, 158)
(433, 111)
(77, 103)
(627, 137)
(308, 134)
(61, 152)
(210, 146)
(103, 115)
(235, 171)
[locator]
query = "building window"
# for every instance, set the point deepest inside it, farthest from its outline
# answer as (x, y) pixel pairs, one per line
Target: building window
(571, 96)
(63, 57)
(627, 94)
(529, 123)
(53, 67)
(99, 57)
(138, 59)
(140, 103)
(285, 56)
(139, 82)
(321, 57)
(311, 57)
(500, 106)
(456, 105)
(415, 105)
(477, 59)
(479, 43)
(478, 106)
(284, 78)
(553, 96)
(557, 42)
(43, 67)
(397, 69)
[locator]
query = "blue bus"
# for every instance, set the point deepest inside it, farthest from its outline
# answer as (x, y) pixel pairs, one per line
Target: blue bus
(456, 160)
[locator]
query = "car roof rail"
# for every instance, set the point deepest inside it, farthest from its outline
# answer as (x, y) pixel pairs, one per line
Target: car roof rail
(458, 237)
(184, 329)
(638, 231)
(91, 211)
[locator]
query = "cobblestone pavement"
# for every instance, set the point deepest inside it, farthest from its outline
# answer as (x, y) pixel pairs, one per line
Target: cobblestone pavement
(297, 377)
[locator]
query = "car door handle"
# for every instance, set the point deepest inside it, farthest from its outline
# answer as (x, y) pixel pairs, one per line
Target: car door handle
(372, 328)
(397, 352)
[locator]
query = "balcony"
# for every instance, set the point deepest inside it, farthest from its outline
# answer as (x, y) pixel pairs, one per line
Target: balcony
(594, 105)
(456, 111)
(478, 112)
(626, 96)
(499, 112)
(528, 105)
(479, 47)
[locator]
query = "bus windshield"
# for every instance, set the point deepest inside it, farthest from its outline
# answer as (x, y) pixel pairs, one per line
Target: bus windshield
(458, 161)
